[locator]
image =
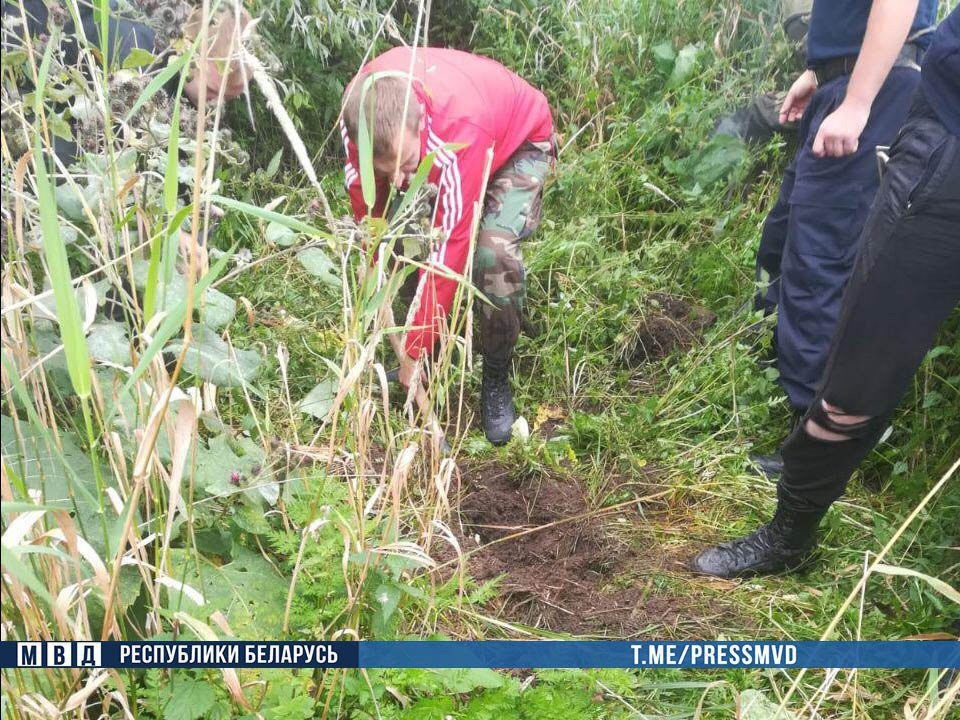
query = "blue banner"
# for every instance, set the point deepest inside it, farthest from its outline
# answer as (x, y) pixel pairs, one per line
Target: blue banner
(484, 654)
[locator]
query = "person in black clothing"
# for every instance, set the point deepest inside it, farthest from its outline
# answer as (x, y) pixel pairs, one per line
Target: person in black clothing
(905, 283)
(862, 69)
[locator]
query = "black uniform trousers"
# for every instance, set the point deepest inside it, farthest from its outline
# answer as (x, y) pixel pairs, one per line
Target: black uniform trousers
(905, 283)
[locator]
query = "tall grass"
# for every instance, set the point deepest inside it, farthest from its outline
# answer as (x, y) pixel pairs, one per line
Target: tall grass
(75, 550)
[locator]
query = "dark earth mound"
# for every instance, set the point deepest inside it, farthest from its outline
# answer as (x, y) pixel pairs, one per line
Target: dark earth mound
(668, 323)
(576, 570)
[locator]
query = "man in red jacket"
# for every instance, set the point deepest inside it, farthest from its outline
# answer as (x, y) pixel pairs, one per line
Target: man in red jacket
(458, 106)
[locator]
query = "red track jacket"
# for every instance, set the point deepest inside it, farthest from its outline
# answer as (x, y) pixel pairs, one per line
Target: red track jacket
(469, 100)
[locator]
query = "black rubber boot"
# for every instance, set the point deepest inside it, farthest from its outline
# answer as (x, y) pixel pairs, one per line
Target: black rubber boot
(496, 402)
(769, 465)
(782, 544)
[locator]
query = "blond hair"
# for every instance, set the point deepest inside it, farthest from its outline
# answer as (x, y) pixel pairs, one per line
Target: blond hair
(224, 37)
(383, 106)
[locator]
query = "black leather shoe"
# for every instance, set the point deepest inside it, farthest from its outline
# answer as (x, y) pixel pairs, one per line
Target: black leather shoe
(496, 403)
(769, 465)
(784, 543)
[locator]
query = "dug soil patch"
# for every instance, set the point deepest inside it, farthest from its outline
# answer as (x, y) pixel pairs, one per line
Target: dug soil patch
(574, 571)
(668, 323)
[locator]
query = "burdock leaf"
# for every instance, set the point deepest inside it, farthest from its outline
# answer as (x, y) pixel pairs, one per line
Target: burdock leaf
(684, 66)
(218, 309)
(216, 360)
(316, 262)
(108, 342)
(319, 400)
(280, 234)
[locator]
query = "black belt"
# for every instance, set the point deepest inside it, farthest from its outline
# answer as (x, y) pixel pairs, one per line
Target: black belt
(910, 56)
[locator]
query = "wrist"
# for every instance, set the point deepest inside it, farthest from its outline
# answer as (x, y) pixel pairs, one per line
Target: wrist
(857, 102)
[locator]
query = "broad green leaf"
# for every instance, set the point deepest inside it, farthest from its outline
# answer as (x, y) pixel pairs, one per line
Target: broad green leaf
(247, 590)
(137, 57)
(387, 597)
(14, 58)
(216, 361)
(216, 465)
(684, 66)
(664, 56)
(70, 201)
(316, 262)
(108, 342)
(218, 309)
(755, 705)
(274, 165)
(465, 680)
(319, 400)
(64, 475)
(249, 518)
(190, 699)
(173, 322)
(280, 234)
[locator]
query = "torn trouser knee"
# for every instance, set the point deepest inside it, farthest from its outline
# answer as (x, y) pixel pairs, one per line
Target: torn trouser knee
(816, 471)
(827, 419)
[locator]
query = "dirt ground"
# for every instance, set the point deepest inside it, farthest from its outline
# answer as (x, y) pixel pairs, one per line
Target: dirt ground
(668, 323)
(575, 571)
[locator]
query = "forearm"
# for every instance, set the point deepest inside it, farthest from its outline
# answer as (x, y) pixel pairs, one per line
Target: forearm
(887, 29)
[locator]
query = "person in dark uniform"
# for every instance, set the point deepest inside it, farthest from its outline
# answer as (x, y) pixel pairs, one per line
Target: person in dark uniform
(862, 69)
(905, 283)
(758, 121)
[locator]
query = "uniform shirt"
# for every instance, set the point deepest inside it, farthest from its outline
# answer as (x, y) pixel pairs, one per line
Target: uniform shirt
(940, 74)
(837, 27)
(471, 101)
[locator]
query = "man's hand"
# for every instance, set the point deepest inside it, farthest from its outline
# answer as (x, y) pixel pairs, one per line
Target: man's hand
(798, 97)
(840, 131)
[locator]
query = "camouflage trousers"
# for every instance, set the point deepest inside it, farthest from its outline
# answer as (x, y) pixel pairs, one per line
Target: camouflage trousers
(511, 212)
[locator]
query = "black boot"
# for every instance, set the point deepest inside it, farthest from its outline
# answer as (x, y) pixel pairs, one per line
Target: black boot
(496, 402)
(782, 544)
(771, 465)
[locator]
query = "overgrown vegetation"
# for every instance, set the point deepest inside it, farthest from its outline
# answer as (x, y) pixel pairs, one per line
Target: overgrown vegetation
(199, 439)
